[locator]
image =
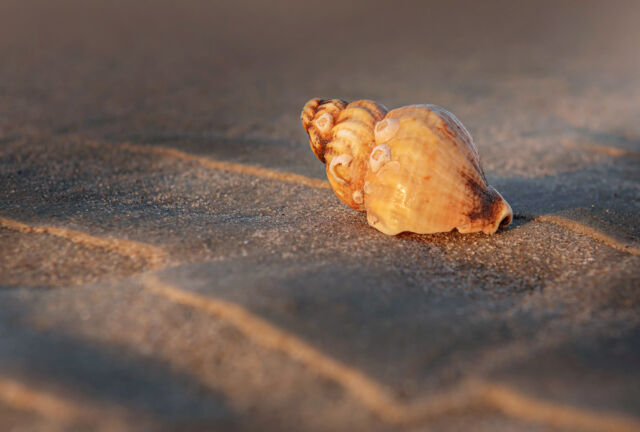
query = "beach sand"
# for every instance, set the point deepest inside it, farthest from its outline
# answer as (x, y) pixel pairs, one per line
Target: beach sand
(171, 257)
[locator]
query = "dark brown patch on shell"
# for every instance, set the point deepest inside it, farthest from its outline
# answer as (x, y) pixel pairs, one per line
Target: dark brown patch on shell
(317, 143)
(488, 205)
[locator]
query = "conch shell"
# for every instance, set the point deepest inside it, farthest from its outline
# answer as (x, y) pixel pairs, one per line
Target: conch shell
(413, 168)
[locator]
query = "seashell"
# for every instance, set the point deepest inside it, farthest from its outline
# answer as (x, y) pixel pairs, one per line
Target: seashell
(414, 168)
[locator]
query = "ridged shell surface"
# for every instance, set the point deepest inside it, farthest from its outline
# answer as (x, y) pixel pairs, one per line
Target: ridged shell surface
(342, 136)
(413, 169)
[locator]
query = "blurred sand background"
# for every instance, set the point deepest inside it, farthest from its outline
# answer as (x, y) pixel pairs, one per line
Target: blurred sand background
(152, 279)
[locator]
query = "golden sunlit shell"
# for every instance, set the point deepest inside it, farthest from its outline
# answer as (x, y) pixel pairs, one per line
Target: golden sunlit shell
(413, 169)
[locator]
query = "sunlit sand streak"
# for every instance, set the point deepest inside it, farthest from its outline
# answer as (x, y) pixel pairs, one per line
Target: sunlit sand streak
(321, 184)
(606, 150)
(238, 168)
(270, 337)
(517, 405)
(154, 256)
(583, 229)
(379, 400)
(21, 397)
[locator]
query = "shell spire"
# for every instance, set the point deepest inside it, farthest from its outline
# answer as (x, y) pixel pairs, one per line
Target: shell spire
(414, 168)
(341, 135)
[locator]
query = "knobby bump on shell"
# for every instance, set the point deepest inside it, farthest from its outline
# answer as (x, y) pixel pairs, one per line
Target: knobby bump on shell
(413, 168)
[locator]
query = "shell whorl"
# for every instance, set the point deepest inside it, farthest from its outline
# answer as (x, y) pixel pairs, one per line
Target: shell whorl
(433, 181)
(342, 136)
(318, 117)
